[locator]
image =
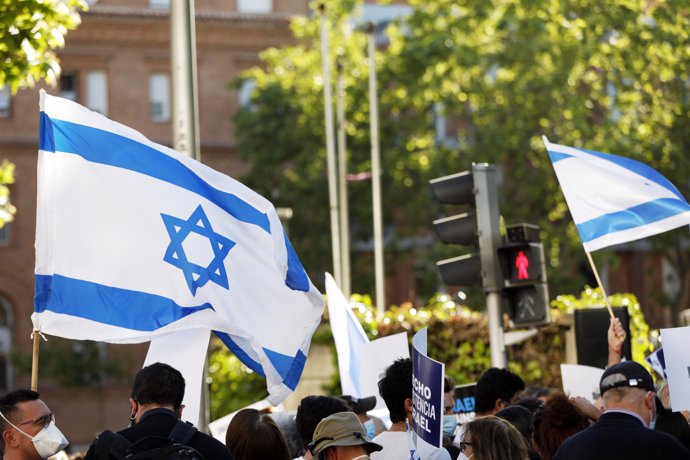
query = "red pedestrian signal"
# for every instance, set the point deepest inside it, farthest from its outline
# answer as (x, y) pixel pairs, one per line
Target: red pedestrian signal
(522, 264)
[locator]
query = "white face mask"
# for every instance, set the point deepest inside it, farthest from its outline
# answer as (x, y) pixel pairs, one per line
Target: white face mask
(462, 456)
(361, 457)
(48, 442)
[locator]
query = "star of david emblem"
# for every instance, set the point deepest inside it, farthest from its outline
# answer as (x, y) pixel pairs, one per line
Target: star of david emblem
(197, 275)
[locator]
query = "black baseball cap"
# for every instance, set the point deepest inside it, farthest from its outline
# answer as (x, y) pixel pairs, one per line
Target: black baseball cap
(359, 405)
(626, 374)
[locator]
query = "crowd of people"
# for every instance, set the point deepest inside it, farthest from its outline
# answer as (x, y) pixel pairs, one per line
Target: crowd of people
(632, 420)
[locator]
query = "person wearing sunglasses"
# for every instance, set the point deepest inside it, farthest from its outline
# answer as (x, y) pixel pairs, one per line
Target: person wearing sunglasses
(28, 427)
(492, 438)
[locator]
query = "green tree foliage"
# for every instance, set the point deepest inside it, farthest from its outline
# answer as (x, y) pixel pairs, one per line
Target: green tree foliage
(605, 76)
(7, 209)
(30, 31)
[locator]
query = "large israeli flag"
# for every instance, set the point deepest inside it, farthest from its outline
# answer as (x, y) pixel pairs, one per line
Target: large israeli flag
(614, 199)
(134, 240)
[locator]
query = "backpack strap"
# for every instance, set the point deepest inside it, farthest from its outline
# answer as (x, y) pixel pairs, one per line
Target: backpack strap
(182, 433)
(111, 445)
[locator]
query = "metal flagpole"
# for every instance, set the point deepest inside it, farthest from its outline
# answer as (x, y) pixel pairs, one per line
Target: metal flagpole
(601, 285)
(185, 116)
(330, 150)
(346, 287)
(376, 174)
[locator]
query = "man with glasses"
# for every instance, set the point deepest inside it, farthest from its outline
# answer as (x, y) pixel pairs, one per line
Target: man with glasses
(625, 429)
(28, 427)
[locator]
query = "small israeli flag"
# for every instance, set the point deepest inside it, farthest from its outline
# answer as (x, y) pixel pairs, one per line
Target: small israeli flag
(614, 199)
(135, 240)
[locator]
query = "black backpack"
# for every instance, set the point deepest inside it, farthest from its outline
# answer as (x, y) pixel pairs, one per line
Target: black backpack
(111, 445)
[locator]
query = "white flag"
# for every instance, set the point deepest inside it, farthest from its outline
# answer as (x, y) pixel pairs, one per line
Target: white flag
(348, 336)
(134, 240)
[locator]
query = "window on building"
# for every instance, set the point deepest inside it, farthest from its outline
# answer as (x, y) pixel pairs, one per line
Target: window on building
(5, 234)
(159, 4)
(254, 6)
(159, 97)
(5, 102)
(68, 86)
(97, 92)
(244, 94)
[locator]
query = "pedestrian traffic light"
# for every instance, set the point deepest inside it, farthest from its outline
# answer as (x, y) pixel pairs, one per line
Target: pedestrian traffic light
(525, 288)
(475, 190)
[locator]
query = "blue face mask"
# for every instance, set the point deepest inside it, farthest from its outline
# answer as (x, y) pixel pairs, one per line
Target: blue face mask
(370, 427)
(450, 422)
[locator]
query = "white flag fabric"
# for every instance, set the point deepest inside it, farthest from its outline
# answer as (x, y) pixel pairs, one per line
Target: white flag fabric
(348, 336)
(615, 199)
(134, 240)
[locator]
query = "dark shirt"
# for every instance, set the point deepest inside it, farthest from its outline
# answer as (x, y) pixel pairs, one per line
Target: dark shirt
(621, 436)
(159, 423)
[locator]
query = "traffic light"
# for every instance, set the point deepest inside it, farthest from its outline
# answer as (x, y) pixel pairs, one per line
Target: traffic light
(478, 227)
(522, 262)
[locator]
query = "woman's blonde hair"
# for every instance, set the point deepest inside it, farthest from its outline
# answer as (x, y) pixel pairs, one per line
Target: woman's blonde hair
(493, 438)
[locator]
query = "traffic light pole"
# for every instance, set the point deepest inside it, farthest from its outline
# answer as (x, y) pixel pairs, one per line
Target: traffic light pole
(488, 222)
(496, 342)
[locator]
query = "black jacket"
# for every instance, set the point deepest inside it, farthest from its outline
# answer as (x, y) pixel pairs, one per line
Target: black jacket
(160, 422)
(621, 436)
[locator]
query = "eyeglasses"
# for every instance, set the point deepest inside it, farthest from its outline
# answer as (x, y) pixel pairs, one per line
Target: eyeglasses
(463, 445)
(41, 422)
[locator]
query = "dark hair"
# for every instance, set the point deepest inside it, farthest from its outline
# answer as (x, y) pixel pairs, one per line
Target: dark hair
(559, 420)
(536, 391)
(8, 407)
(448, 384)
(159, 383)
(313, 409)
(287, 425)
(495, 439)
(396, 386)
(252, 435)
(675, 424)
(520, 418)
(495, 384)
(533, 405)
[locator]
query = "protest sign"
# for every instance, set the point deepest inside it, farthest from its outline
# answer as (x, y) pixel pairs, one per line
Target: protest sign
(463, 395)
(579, 380)
(427, 393)
(676, 344)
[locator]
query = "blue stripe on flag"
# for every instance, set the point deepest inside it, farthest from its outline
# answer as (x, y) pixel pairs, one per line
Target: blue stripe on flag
(290, 368)
(635, 216)
(240, 353)
(558, 156)
(296, 277)
(134, 310)
(45, 136)
(122, 152)
(635, 166)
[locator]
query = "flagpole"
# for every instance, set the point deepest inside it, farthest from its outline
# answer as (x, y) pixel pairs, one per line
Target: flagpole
(376, 173)
(601, 285)
(330, 150)
(34, 361)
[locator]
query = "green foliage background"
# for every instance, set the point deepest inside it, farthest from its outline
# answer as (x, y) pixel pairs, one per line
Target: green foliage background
(608, 76)
(457, 336)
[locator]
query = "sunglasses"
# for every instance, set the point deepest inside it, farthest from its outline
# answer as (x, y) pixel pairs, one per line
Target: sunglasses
(41, 422)
(463, 445)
